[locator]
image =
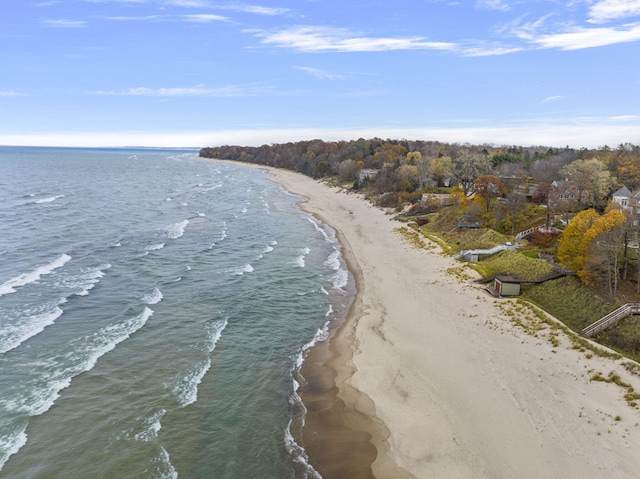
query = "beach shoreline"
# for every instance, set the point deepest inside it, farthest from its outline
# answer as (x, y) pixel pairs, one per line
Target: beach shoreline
(444, 382)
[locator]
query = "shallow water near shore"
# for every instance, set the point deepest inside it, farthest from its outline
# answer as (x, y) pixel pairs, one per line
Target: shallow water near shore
(154, 312)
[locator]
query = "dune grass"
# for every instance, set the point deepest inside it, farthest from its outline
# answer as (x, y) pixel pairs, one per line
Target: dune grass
(516, 263)
(568, 300)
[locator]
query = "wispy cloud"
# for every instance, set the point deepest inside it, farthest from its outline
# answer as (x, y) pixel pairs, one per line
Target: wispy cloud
(237, 7)
(5, 93)
(188, 4)
(493, 5)
(49, 3)
(204, 18)
(228, 91)
(115, 1)
(314, 39)
(65, 23)
(577, 38)
(329, 39)
(607, 10)
(552, 98)
(256, 9)
(194, 18)
(322, 74)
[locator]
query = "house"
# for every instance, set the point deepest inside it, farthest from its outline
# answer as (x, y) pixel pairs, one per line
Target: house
(622, 197)
(367, 174)
(505, 285)
(564, 190)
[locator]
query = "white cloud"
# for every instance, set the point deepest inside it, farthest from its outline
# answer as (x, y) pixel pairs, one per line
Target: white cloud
(135, 19)
(493, 5)
(65, 23)
(552, 98)
(237, 7)
(194, 18)
(229, 91)
(7, 93)
(188, 4)
(115, 1)
(322, 74)
(607, 10)
(579, 37)
(327, 39)
(256, 9)
(204, 18)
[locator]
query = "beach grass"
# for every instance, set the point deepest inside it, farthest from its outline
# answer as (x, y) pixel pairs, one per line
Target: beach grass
(568, 300)
(516, 263)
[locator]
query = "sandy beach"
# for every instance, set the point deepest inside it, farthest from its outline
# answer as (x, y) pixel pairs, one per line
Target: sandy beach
(445, 381)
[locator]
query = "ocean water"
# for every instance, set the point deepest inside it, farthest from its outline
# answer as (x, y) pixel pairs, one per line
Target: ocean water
(155, 309)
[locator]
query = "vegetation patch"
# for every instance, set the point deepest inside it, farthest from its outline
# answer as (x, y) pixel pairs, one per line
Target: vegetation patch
(624, 337)
(568, 300)
(412, 237)
(516, 263)
(631, 396)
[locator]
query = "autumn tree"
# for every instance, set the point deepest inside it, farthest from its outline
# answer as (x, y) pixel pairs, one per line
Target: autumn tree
(348, 170)
(592, 179)
(442, 168)
(515, 204)
(602, 244)
(570, 247)
(406, 178)
(468, 167)
(488, 187)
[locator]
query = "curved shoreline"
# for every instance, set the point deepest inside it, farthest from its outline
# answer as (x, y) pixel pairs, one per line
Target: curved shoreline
(447, 381)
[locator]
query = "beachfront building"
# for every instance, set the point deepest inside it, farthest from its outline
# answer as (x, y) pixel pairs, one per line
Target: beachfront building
(505, 285)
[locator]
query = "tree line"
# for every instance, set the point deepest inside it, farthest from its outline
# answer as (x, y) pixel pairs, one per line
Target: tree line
(497, 183)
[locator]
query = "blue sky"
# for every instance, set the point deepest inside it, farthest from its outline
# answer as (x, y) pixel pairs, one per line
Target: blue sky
(206, 73)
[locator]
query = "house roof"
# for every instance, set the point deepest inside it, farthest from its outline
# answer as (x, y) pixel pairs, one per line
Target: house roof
(623, 192)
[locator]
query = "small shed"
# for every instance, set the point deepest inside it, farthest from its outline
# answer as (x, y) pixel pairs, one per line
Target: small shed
(505, 285)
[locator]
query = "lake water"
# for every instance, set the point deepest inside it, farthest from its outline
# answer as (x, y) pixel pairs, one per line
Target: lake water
(155, 309)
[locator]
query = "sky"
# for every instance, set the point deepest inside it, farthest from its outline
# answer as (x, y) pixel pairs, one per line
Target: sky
(194, 73)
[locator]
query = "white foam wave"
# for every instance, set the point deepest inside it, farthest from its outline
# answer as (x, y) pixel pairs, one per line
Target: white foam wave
(333, 261)
(164, 466)
(300, 259)
(86, 280)
(33, 276)
(210, 188)
(155, 247)
(243, 210)
(48, 200)
(11, 442)
(214, 332)
(325, 231)
(340, 279)
(341, 276)
(186, 388)
(29, 324)
(153, 297)
(176, 230)
(247, 268)
(298, 454)
(151, 427)
(54, 375)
